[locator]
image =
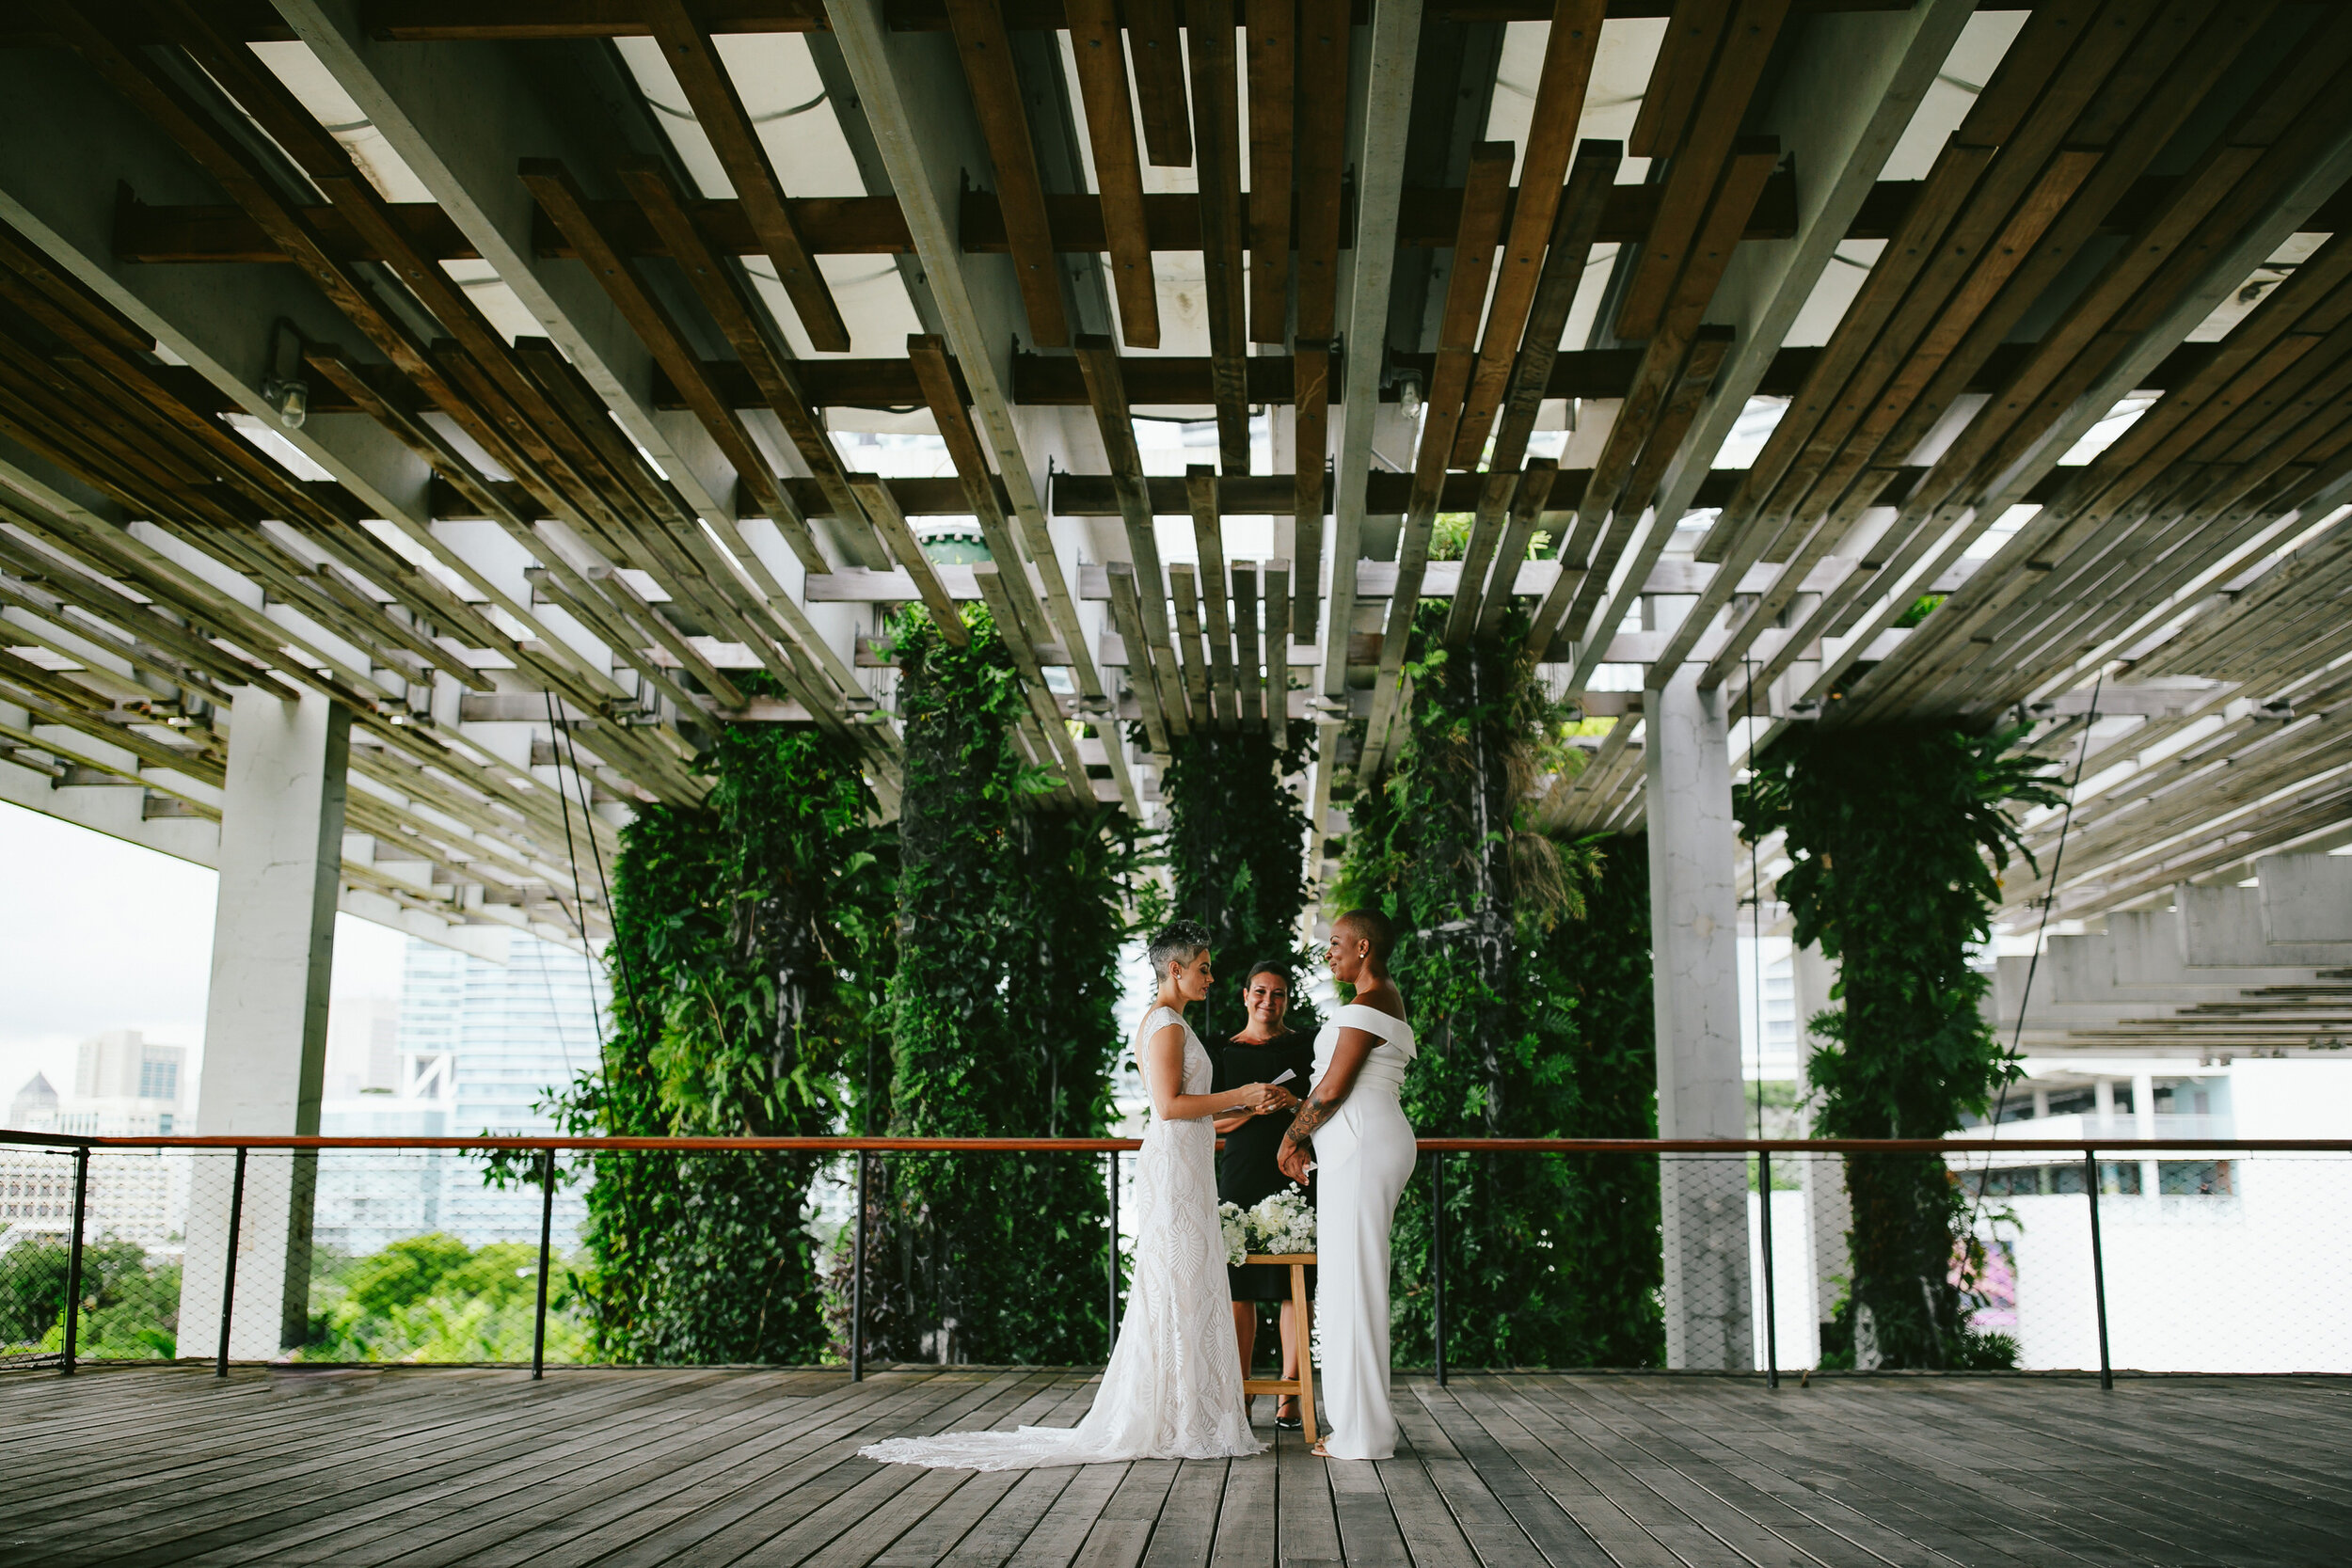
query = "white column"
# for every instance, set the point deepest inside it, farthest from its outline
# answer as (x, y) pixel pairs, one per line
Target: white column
(1829, 1213)
(2144, 1117)
(1695, 987)
(265, 1021)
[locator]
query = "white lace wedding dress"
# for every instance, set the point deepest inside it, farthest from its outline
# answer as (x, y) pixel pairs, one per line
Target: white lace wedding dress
(1172, 1390)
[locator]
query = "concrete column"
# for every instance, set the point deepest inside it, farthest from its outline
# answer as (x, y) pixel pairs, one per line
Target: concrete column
(1694, 914)
(1829, 1213)
(265, 1020)
(2144, 1119)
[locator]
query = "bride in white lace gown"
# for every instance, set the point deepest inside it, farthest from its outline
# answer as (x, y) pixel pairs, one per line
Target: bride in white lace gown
(1172, 1390)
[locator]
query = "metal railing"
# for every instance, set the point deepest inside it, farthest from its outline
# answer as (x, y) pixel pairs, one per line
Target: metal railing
(1723, 1263)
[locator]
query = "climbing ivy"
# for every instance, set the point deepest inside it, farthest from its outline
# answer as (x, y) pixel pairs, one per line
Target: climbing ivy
(1236, 853)
(1012, 913)
(752, 937)
(1525, 967)
(1897, 836)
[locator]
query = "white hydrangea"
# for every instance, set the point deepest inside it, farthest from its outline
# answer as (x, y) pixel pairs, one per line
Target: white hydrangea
(1234, 1224)
(1281, 1223)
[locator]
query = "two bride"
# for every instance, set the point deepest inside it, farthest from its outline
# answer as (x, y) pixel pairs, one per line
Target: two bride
(1172, 1390)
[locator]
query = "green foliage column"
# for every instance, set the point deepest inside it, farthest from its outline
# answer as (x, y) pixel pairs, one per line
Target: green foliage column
(1236, 853)
(752, 940)
(1009, 925)
(1525, 966)
(1897, 834)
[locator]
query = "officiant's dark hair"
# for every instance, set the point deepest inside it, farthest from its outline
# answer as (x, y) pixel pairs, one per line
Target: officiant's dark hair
(1178, 938)
(1274, 967)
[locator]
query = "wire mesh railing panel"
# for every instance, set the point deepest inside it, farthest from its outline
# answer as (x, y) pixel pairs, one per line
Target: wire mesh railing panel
(1948, 1258)
(36, 1246)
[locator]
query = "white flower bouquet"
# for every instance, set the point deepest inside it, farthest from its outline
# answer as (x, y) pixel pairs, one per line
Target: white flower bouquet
(1282, 1223)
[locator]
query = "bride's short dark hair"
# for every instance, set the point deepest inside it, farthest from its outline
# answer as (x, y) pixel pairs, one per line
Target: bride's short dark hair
(1178, 938)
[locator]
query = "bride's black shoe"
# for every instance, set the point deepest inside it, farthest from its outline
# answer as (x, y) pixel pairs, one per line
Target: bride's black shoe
(1290, 1423)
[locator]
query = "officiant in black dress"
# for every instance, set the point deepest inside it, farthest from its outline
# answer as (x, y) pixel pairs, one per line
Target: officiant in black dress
(1263, 1053)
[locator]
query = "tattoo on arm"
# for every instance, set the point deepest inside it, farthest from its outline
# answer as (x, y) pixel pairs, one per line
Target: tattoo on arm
(1311, 1116)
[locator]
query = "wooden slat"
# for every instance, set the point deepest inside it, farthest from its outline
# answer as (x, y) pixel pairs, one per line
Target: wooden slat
(1160, 718)
(1045, 715)
(1208, 532)
(1278, 665)
(1272, 63)
(1098, 45)
(1099, 362)
(953, 418)
(1696, 162)
(1567, 69)
(1250, 689)
(892, 524)
(1590, 180)
(1156, 49)
(1310, 443)
(1216, 138)
(1527, 512)
(693, 59)
(986, 52)
(1487, 526)
(1180, 584)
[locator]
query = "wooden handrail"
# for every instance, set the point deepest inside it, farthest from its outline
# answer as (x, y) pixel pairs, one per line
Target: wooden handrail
(1103, 1146)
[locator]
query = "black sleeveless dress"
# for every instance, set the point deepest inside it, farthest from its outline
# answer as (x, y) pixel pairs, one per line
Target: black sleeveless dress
(1246, 1171)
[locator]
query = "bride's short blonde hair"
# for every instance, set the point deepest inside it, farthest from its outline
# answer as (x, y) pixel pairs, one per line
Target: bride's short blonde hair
(1177, 942)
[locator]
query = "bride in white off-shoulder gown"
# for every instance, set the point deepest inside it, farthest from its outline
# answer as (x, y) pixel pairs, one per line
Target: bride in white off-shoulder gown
(1172, 1390)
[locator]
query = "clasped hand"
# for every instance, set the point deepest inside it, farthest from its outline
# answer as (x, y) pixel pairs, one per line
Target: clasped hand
(1266, 1099)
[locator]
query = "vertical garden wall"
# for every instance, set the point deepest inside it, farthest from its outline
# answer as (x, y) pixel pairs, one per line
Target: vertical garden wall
(1525, 965)
(752, 939)
(1009, 921)
(1236, 856)
(1897, 834)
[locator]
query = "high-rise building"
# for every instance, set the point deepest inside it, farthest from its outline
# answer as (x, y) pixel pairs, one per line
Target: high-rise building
(125, 1085)
(475, 1046)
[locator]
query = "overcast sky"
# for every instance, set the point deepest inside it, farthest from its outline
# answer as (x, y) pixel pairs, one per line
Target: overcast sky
(97, 934)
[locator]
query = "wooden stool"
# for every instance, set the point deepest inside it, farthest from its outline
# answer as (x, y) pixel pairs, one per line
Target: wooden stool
(1304, 1387)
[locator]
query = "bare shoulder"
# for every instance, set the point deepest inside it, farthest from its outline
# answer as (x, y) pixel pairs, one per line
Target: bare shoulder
(1383, 998)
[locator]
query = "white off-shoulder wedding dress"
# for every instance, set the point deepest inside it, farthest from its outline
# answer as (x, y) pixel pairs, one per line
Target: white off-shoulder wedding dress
(1365, 1155)
(1172, 1390)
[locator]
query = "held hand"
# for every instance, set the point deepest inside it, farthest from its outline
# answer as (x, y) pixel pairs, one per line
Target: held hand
(1280, 1098)
(1292, 1160)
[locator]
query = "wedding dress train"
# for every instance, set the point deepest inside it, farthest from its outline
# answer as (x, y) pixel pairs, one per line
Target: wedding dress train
(1172, 1390)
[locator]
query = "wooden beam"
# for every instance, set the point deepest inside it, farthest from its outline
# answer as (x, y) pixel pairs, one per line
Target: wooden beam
(1098, 362)
(892, 525)
(1248, 686)
(1311, 442)
(1181, 582)
(742, 321)
(1527, 511)
(1478, 553)
(1273, 67)
(1590, 180)
(1697, 163)
(1208, 532)
(1217, 138)
(1043, 712)
(1567, 69)
(953, 418)
(986, 52)
(1158, 52)
(693, 59)
(1097, 44)
(1146, 659)
(1278, 662)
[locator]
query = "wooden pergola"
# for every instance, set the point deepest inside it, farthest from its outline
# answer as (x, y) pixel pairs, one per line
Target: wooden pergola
(521, 371)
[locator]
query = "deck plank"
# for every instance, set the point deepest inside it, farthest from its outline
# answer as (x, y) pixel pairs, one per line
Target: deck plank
(758, 1468)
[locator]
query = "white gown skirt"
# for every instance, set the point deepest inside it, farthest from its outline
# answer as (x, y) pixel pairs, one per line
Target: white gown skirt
(1364, 1157)
(1172, 1390)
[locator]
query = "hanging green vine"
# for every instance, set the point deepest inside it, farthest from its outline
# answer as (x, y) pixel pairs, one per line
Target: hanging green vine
(1898, 834)
(1526, 967)
(1236, 853)
(752, 937)
(1011, 918)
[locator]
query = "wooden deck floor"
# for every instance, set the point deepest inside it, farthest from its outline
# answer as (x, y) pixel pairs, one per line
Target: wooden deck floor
(420, 1467)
